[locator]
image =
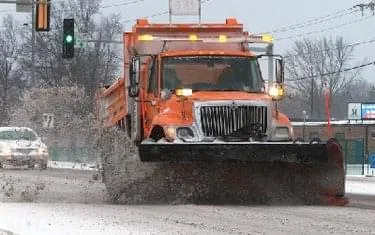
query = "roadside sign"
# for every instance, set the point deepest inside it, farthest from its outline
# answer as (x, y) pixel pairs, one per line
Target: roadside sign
(184, 7)
(24, 6)
(368, 111)
(48, 120)
(354, 111)
(371, 160)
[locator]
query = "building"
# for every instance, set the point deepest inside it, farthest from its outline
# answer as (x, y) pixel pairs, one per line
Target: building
(356, 137)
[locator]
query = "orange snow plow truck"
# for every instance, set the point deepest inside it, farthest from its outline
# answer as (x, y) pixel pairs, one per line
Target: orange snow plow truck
(195, 93)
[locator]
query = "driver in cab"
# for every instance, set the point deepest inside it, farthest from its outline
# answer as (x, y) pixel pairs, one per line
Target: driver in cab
(232, 78)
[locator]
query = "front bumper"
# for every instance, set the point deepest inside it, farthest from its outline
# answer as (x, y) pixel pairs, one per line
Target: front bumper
(23, 159)
(287, 152)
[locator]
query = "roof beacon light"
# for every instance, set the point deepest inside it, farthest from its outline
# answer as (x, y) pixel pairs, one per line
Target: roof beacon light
(267, 38)
(193, 37)
(223, 38)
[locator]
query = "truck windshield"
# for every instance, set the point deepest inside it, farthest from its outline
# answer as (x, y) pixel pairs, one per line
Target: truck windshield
(208, 73)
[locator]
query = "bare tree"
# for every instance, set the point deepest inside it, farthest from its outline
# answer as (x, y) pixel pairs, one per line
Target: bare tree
(91, 65)
(10, 81)
(313, 65)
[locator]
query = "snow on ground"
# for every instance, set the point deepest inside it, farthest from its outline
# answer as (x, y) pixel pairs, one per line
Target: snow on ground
(72, 203)
(72, 165)
(40, 219)
(359, 169)
(360, 185)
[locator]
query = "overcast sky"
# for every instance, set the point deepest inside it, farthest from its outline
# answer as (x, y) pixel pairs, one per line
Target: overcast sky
(264, 16)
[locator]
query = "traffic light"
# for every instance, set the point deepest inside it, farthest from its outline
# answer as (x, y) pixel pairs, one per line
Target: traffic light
(42, 16)
(68, 39)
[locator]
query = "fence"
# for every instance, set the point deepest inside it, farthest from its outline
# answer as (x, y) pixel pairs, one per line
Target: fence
(65, 154)
(356, 160)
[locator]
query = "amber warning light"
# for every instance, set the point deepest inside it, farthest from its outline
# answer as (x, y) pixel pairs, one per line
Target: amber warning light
(265, 39)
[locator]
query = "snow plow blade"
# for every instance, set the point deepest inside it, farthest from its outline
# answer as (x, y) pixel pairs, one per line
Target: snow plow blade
(278, 172)
(235, 151)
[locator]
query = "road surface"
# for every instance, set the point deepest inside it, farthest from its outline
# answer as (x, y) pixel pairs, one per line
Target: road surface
(66, 201)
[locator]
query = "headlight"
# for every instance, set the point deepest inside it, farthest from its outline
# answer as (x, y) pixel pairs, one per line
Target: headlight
(170, 132)
(276, 92)
(184, 92)
(185, 133)
(5, 150)
(42, 151)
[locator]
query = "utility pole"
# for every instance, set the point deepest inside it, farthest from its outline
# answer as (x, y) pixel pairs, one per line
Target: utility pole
(33, 42)
(32, 3)
(312, 99)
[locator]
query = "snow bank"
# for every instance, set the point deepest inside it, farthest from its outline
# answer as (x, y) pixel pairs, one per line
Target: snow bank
(72, 165)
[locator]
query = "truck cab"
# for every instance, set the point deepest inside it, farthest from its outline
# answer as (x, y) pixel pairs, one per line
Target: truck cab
(208, 96)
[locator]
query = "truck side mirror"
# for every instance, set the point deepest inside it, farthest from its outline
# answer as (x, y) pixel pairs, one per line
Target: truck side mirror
(134, 75)
(279, 71)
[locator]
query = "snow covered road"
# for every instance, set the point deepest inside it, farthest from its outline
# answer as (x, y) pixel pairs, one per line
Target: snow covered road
(65, 201)
(187, 219)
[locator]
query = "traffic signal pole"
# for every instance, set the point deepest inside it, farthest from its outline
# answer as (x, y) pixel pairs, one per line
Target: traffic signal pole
(33, 42)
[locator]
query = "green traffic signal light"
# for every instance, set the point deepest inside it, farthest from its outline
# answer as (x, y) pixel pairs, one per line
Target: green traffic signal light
(69, 39)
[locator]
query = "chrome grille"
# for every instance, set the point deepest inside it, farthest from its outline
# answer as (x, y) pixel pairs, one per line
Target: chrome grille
(224, 120)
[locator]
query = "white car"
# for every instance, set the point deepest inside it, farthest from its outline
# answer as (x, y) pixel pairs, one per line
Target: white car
(22, 146)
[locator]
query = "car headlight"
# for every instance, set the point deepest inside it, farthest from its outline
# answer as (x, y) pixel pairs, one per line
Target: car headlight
(282, 133)
(43, 151)
(5, 150)
(185, 133)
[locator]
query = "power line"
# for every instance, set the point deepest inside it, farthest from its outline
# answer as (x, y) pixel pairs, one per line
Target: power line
(335, 48)
(123, 4)
(317, 20)
(334, 72)
(325, 29)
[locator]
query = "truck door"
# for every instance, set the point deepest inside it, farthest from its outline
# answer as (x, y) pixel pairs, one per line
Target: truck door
(151, 104)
